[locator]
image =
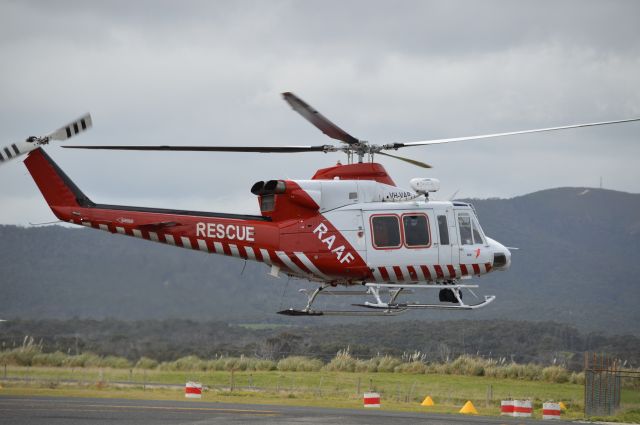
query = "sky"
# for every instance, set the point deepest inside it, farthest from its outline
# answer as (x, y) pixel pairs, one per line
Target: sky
(211, 73)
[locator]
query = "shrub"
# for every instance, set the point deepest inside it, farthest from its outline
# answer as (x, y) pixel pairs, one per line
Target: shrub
(577, 378)
(299, 364)
(115, 362)
(188, 363)
(265, 365)
(388, 364)
(217, 364)
(370, 365)
(555, 374)
(342, 362)
(56, 359)
(146, 363)
(82, 360)
(411, 367)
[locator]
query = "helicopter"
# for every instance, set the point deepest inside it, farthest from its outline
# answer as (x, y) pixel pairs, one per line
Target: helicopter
(348, 226)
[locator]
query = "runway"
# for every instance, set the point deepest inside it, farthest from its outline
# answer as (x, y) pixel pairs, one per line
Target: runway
(75, 411)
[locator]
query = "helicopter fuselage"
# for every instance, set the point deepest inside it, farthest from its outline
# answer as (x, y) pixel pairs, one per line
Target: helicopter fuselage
(340, 230)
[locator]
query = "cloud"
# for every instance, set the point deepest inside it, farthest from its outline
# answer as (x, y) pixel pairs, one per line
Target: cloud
(211, 73)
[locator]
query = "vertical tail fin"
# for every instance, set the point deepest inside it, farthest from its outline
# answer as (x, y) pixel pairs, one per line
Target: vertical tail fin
(56, 187)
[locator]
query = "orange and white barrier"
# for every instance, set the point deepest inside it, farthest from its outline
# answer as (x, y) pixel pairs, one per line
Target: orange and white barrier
(371, 400)
(522, 408)
(193, 390)
(506, 407)
(550, 410)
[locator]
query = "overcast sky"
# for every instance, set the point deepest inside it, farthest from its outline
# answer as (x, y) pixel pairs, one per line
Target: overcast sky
(211, 72)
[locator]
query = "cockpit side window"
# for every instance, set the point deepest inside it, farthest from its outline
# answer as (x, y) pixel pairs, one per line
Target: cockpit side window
(477, 233)
(464, 225)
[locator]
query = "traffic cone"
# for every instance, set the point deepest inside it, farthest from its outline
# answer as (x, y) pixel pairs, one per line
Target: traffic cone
(469, 409)
(428, 401)
(563, 406)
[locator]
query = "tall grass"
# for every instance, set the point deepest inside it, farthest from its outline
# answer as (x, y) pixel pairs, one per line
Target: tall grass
(31, 354)
(299, 364)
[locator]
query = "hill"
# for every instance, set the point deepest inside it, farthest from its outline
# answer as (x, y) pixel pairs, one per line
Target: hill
(576, 264)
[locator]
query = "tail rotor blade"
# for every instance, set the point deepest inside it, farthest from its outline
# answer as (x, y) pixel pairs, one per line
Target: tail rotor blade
(17, 149)
(83, 123)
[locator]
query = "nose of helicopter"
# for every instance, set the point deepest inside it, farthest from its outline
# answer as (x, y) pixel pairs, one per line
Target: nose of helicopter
(501, 255)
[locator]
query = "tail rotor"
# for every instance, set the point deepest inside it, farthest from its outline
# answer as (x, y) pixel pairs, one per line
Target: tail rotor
(68, 131)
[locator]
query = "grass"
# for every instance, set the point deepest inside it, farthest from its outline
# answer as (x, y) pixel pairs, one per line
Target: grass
(399, 391)
(305, 382)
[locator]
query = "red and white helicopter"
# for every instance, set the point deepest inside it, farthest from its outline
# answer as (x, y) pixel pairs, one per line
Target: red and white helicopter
(347, 225)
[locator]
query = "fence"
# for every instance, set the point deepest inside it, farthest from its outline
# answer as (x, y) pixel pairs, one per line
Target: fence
(603, 384)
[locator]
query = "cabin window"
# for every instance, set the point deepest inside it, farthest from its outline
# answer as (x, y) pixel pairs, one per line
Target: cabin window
(444, 230)
(477, 236)
(464, 224)
(386, 231)
(267, 203)
(416, 230)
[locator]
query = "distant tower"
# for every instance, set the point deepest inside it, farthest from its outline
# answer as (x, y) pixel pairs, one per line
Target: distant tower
(600, 182)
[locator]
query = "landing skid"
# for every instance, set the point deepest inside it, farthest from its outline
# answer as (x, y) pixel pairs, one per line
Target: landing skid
(416, 306)
(310, 313)
(391, 307)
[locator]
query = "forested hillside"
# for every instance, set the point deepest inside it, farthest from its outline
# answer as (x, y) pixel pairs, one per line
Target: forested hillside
(577, 264)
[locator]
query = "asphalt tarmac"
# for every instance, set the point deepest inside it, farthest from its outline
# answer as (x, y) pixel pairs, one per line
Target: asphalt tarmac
(75, 411)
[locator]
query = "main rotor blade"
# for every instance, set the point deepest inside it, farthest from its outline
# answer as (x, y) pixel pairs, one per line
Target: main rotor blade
(487, 136)
(262, 149)
(317, 119)
(410, 161)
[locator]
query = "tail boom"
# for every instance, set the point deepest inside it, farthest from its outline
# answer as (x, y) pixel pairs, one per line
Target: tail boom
(245, 236)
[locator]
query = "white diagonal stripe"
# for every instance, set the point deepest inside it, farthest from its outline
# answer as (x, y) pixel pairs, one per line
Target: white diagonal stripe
(86, 223)
(234, 250)
(186, 242)
(265, 256)
(251, 255)
(432, 271)
(377, 275)
(153, 236)
(121, 230)
(457, 270)
(103, 227)
(202, 245)
(137, 233)
(169, 239)
(309, 264)
(419, 273)
(405, 273)
(217, 247)
(391, 273)
(290, 264)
